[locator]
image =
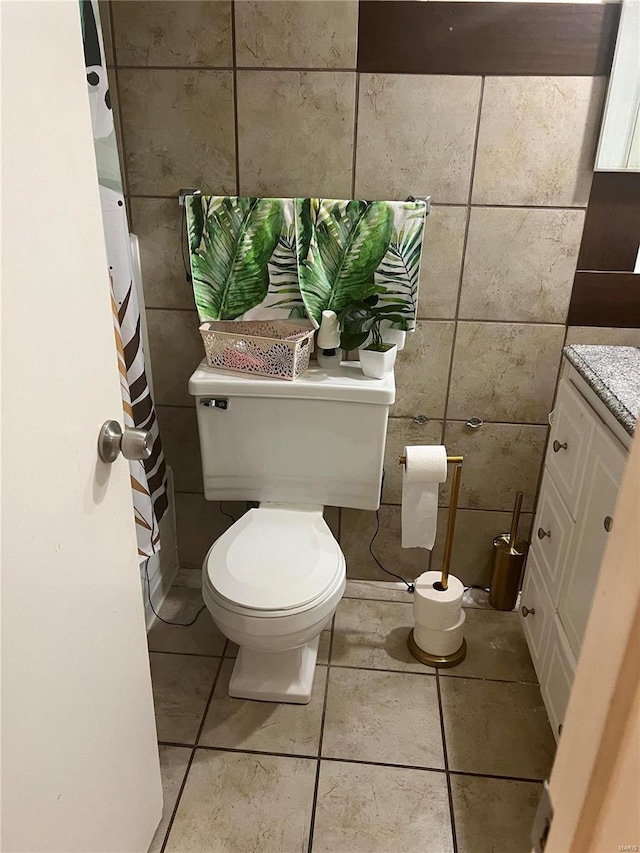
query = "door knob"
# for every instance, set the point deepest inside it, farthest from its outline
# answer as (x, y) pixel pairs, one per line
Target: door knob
(134, 443)
(528, 612)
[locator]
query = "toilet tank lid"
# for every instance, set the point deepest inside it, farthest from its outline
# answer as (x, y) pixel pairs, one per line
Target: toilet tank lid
(347, 383)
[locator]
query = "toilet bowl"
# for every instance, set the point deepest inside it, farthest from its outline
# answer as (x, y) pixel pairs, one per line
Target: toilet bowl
(272, 583)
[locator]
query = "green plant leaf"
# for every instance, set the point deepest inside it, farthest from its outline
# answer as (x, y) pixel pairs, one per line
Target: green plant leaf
(195, 220)
(399, 271)
(230, 274)
(284, 290)
(347, 243)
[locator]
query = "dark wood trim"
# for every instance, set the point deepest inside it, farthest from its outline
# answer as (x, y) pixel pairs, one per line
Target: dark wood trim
(411, 37)
(612, 227)
(605, 299)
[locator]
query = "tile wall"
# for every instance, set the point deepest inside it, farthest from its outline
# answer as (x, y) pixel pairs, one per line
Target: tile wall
(265, 98)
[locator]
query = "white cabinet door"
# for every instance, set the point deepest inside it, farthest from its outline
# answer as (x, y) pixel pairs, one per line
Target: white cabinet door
(596, 510)
(569, 441)
(559, 670)
(80, 770)
(551, 538)
(536, 614)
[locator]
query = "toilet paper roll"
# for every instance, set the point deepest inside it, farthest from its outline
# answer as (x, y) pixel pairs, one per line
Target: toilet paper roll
(435, 608)
(436, 642)
(425, 467)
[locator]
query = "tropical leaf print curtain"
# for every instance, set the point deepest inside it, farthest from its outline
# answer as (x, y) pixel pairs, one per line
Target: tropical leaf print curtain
(269, 258)
(148, 477)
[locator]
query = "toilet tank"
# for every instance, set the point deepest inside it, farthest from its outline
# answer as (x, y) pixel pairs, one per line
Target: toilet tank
(317, 440)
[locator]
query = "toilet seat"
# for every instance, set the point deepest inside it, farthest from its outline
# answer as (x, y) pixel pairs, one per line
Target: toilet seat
(274, 561)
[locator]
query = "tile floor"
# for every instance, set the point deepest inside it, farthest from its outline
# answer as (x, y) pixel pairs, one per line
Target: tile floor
(388, 756)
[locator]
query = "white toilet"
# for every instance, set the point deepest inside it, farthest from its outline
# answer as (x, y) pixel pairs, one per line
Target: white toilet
(273, 580)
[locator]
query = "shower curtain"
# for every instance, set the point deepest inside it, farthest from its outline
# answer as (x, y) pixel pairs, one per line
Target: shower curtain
(148, 477)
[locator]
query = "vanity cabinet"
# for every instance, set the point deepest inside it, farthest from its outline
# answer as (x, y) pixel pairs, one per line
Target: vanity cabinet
(583, 471)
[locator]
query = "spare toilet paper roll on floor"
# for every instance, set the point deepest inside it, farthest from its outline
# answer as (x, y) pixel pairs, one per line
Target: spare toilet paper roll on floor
(425, 468)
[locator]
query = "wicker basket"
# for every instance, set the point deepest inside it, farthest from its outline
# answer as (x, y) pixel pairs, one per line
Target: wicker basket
(278, 348)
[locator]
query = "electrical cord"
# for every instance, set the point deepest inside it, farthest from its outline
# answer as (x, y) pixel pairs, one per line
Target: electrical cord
(410, 587)
(157, 615)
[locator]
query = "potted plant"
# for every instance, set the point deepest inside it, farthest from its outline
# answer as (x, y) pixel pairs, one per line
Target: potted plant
(360, 323)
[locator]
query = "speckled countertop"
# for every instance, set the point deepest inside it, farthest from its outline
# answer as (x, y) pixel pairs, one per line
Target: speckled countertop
(614, 375)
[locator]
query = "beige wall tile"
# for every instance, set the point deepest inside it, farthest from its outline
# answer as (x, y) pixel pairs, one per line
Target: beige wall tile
(422, 370)
(493, 814)
(537, 140)
(199, 523)
(415, 136)
(603, 336)
(352, 816)
(505, 372)
(322, 34)
(472, 556)
(234, 801)
(178, 130)
(441, 262)
(358, 527)
(499, 460)
(176, 351)
(295, 133)
(179, 433)
(172, 33)
(158, 224)
(520, 264)
(400, 433)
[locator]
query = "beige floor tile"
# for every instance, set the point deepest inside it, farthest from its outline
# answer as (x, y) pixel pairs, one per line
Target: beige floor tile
(240, 803)
(264, 726)
(387, 717)
(496, 648)
(322, 34)
(365, 809)
(493, 815)
(496, 728)
(188, 577)
(373, 634)
(173, 766)
(202, 638)
(181, 688)
(378, 591)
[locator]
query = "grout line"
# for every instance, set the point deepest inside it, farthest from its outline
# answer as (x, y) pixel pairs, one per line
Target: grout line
(321, 738)
(236, 134)
(184, 654)
(496, 776)
(193, 753)
(446, 765)
(355, 135)
(196, 68)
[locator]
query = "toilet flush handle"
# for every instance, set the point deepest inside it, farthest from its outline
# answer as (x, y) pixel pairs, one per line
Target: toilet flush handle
(133, 443)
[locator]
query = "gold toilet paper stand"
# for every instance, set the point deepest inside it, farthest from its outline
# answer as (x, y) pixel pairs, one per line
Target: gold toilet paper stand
(454, 659)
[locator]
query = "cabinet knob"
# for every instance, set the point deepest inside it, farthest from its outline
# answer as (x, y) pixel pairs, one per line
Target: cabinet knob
(557, 446)
(528, 612)
(608, 523)
(542, 533)
(560, 729)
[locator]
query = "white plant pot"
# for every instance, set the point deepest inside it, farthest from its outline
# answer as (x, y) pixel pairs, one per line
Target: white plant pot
(377, 365)
(394, 336)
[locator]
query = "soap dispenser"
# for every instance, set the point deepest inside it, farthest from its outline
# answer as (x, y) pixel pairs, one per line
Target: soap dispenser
(329, 352)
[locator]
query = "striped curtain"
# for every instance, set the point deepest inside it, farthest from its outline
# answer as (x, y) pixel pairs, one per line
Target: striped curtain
(148, 477)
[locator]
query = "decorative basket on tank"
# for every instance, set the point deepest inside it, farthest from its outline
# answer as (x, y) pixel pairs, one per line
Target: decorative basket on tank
(278, 348)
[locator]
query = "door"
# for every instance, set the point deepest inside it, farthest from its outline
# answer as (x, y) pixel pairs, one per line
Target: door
(80, 765)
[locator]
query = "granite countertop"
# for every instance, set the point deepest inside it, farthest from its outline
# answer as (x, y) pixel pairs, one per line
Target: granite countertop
(614, 374)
